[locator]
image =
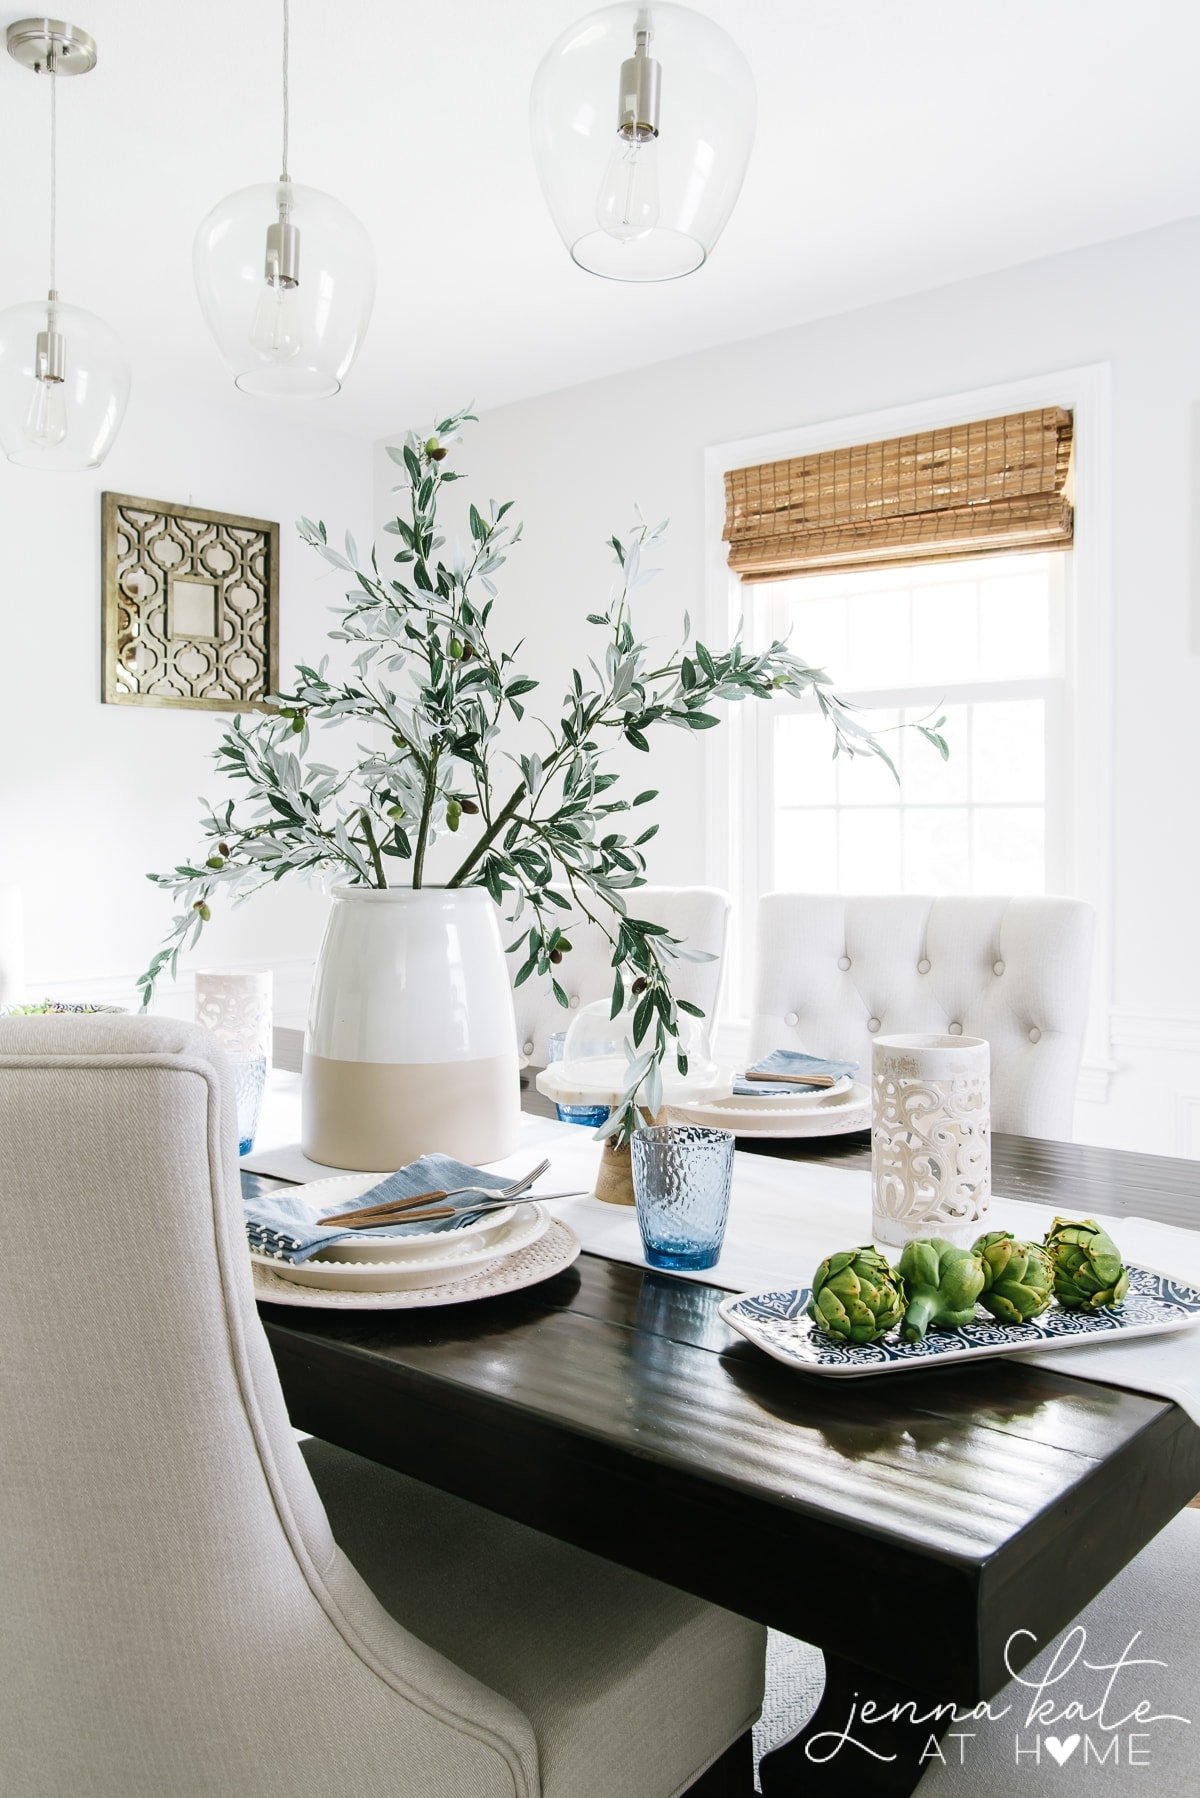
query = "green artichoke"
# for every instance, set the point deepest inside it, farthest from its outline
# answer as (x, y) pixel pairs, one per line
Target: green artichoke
(1088, 1270)
(942, 1283)
(856, 1296)
(1018, 1277)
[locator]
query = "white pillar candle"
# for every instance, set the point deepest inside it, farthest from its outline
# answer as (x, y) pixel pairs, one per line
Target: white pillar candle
(931, 1151)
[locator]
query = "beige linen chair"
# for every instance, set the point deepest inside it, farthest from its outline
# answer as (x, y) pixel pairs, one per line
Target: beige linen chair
(179, 1617)
(699, 916)
(833, 973)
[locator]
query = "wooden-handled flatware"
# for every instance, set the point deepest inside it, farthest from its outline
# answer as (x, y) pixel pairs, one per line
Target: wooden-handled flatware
(388, 1209)
(795, 1079)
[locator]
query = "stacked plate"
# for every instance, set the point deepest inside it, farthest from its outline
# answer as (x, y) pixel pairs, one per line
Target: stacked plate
(495, 1252)
(826, 1111)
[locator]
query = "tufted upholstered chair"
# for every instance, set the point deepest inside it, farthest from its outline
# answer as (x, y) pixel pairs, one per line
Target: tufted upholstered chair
(699, 916)
(179, 1617)
(834, 972)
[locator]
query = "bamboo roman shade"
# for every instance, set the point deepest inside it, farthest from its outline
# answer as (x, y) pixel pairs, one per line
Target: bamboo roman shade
(987, 488)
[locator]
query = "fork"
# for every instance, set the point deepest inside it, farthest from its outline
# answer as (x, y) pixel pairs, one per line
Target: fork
(480, 1210)
(391, 1208)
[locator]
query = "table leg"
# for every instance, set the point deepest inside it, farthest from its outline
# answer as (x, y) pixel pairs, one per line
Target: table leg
(868, 1735)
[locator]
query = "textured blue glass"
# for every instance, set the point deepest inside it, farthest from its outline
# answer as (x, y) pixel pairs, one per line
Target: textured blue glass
(249, 1082)
(681, 1180)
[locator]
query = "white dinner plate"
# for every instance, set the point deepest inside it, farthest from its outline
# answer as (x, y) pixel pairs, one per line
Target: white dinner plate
(781, 1118)
(341, 1191)
(541, 1260)
(447, 1257)
(778, 1323)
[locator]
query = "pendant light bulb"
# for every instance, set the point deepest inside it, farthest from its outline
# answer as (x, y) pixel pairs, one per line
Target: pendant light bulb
(627, 206)
(44, 426)
(277, 328)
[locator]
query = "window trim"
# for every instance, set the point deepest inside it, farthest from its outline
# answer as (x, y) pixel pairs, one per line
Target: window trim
(731, 830)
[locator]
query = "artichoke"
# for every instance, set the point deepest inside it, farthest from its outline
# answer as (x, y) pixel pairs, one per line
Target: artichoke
(1018, 1277)
(1088, 1271)
(942, 1282)
(856, 1296)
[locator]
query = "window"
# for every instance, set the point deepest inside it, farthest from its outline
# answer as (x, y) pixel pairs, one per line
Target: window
(980, 642)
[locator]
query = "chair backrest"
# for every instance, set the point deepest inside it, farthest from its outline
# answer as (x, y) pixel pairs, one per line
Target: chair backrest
(699, 916)
(176, 1616)
(835, 972)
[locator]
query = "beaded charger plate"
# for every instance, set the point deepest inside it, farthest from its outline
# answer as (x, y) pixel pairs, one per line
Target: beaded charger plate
(776, 1323)
(549, 1255)
(835, 1113)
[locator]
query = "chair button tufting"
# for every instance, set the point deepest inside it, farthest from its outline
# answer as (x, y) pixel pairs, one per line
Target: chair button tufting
(573, 1001)
(955, 1029)
(997, 967)
(843, 962)
(792, 1017)
(872, 1023)
(922, 966)
(1035, 1035)
(527, 1048)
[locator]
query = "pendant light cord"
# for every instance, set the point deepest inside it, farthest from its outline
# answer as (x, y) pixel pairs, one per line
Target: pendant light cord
(286, 96)
(53, 177)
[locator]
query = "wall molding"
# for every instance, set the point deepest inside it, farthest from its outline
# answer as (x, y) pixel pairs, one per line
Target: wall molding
(1173, 1033)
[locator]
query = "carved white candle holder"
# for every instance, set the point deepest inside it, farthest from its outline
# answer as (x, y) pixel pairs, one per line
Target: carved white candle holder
(237, 1009)
(931, 1146)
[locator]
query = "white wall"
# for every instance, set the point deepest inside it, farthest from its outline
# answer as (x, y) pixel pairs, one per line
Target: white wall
(576, 461)
(93, 796)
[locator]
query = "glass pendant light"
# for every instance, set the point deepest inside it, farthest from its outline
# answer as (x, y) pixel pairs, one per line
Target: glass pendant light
(64, 378)
(642, 120)
(286, 281)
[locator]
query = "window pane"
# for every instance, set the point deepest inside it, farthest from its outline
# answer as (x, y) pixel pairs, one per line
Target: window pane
(1009, 843)
(818, 628)
(1014, 625)
(937, 849)
(925, 778)
(866, 779)
(878, 652)
(869, 859)
(1008, 741)
(806, 851)
(804, 766)
(945, 633)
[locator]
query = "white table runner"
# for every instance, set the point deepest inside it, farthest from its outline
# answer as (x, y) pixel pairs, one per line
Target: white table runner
(784, 1218)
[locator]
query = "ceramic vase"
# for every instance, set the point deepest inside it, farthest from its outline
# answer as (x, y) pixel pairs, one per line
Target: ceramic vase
(411, 1043)
(931, 1162)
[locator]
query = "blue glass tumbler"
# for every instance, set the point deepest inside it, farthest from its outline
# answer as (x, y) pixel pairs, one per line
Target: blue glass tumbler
(681, 1179)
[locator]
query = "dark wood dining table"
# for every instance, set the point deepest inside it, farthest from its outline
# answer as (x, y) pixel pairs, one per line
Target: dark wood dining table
(612, 1407)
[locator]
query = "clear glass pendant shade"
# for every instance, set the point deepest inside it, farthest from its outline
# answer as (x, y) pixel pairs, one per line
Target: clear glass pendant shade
(642, 120)
(286, 281)
(64, 385)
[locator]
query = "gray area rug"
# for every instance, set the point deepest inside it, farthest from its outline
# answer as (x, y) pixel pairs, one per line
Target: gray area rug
(795, 1676)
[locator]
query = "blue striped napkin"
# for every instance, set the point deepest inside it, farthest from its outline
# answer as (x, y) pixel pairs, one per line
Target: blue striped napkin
(287, 1225)
(789, 1061)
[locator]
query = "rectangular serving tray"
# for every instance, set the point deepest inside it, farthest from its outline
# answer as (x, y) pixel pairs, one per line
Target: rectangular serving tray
(776, 1322)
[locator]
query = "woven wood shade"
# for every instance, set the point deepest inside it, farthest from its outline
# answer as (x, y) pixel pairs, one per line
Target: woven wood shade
(988, 488)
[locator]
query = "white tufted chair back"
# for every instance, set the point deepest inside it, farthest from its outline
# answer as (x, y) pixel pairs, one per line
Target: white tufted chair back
(835, 972)
(699, 916)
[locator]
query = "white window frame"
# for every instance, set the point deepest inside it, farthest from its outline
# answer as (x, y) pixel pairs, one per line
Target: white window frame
(1080, 861)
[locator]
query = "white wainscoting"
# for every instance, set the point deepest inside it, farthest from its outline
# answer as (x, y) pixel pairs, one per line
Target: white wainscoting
(175, 998)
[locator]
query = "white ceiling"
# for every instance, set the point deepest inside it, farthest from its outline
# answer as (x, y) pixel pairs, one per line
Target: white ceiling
(900, 146)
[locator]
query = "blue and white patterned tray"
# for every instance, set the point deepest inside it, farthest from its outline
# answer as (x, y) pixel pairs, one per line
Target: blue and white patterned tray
(776, 1323)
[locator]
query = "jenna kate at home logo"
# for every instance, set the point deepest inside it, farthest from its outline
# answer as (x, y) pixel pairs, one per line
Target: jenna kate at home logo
(1090, 1707)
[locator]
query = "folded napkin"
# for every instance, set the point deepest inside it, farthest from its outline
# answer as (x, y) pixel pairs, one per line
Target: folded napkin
(789, 1061)
(287, 1227)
